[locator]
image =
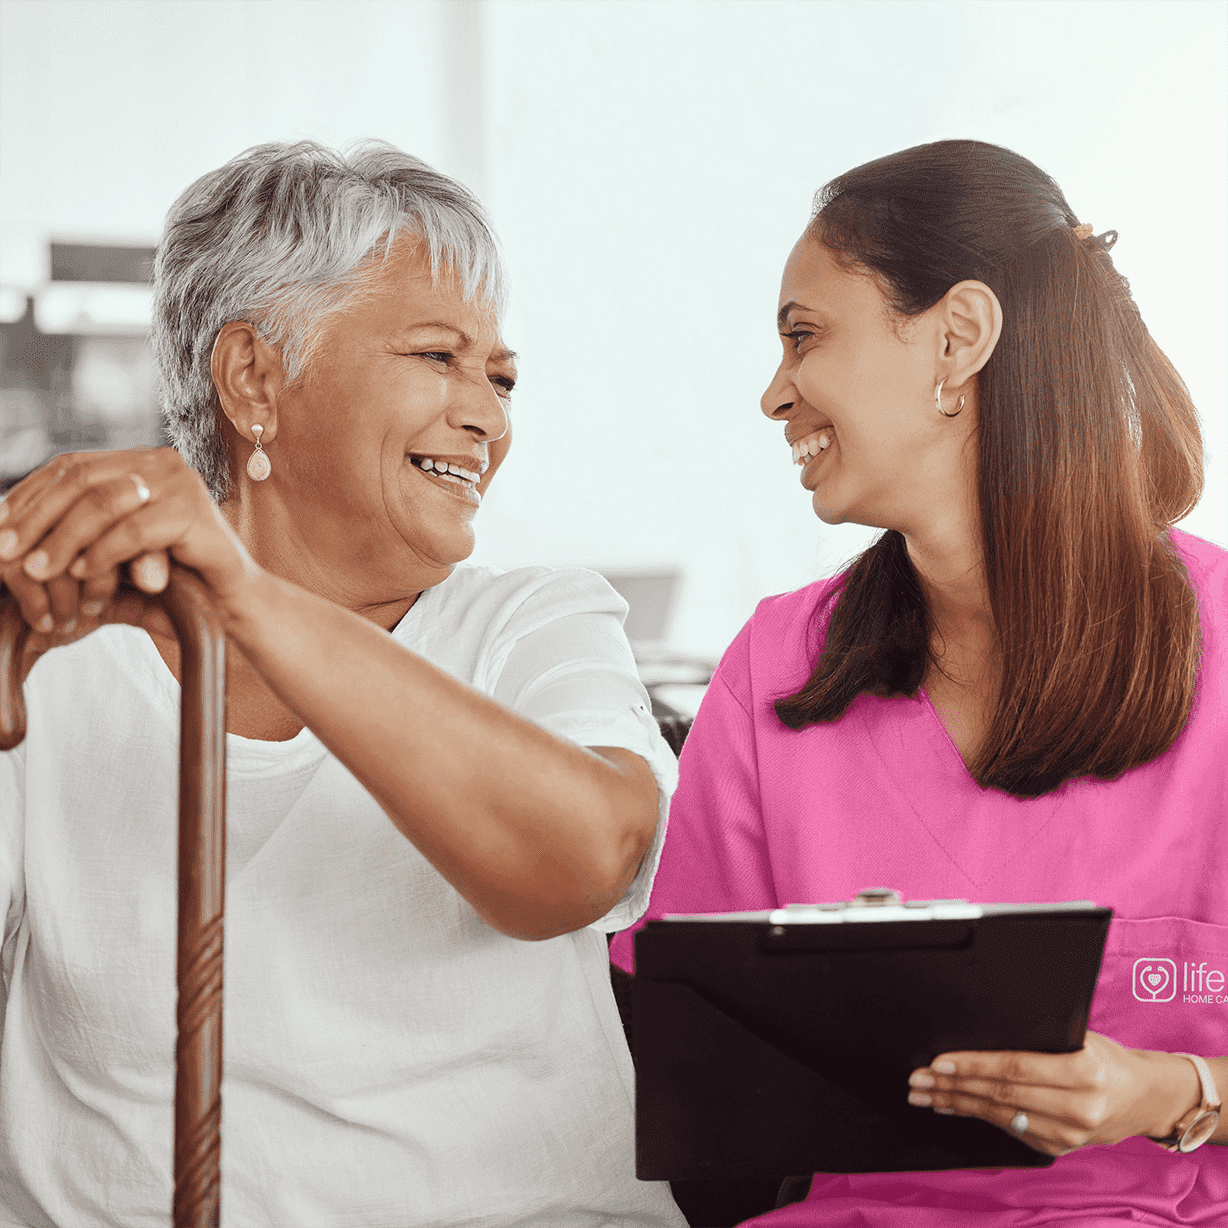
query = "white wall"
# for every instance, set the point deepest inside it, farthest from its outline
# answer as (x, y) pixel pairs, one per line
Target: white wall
(110, 108)
(649, 163)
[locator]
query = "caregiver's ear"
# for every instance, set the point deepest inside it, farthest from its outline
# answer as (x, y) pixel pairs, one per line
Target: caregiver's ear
(970, 323)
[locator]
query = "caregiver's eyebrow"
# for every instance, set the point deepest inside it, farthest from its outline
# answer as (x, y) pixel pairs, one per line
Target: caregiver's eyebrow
(782, 316)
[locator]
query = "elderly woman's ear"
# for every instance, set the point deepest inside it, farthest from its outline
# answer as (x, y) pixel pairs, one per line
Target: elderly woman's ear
(249, 377)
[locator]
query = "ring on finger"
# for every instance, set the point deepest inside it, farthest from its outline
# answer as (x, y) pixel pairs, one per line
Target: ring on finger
(142, 491)
(1019, 1123)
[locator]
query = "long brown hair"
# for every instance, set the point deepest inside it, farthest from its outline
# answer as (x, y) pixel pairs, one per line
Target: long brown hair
(1089, 449)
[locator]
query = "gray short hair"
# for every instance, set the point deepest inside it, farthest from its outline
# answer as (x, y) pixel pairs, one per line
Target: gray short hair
(283, 236)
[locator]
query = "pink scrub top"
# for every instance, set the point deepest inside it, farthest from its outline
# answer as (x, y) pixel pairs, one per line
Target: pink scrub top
(766, 816)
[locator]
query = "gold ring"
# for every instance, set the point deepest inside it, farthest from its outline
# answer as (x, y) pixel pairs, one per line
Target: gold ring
(142, 491)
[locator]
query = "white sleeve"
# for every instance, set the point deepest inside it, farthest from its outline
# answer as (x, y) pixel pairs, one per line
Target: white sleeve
(12, 860)
(576, 677)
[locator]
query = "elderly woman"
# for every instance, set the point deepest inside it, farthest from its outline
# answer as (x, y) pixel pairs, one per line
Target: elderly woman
(444, 783)
(1018, 692)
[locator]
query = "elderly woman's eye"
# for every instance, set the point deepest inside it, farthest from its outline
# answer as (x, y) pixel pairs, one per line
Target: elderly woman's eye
(503, 385)
(435, 355)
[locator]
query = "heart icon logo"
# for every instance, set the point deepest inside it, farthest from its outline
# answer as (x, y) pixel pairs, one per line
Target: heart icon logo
(1154, 979)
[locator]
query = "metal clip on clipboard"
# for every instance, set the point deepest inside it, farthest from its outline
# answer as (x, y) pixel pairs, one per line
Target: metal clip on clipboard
(873, 904)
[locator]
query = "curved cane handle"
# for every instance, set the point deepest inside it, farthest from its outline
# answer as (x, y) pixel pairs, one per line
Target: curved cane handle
(13, 632)
(202, 874)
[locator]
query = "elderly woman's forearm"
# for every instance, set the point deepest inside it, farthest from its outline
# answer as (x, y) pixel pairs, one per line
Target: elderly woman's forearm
(541, 836)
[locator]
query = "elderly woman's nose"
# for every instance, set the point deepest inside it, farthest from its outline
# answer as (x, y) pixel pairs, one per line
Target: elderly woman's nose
(480, 408)
(778, 399)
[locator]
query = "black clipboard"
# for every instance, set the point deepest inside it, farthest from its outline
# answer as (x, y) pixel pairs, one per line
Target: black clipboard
(781, 1042)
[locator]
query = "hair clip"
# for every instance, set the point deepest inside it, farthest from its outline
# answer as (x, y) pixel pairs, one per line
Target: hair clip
(1083, 232)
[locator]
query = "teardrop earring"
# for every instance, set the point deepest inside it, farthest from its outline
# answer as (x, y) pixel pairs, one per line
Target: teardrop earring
(258, 467)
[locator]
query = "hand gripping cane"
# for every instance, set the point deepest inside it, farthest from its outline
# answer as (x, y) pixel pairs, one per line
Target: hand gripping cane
(202, 873)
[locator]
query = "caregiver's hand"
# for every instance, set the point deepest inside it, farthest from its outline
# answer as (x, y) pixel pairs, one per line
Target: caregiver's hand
(1101, 1094)
(68, 529)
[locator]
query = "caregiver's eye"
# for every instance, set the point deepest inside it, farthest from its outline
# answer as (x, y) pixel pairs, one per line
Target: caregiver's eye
(797, 336)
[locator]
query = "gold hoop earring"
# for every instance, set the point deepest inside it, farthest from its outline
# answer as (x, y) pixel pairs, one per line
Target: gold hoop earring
(938, 402)
(258, 467)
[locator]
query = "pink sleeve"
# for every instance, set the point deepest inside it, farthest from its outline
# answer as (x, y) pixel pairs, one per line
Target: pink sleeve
(715, 857)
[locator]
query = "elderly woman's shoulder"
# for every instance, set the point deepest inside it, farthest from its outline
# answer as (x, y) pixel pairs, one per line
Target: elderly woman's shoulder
(111, 684)
(114, 657)
(479, 589)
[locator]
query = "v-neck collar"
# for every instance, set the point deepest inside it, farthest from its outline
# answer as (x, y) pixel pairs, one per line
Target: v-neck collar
(982, 832)
(941, 740)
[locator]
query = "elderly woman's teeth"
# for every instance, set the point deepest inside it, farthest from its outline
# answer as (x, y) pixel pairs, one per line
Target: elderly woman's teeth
(812, 445)
(450, 473)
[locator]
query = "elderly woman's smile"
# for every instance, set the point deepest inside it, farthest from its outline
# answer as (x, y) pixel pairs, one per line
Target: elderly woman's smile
(441, 468)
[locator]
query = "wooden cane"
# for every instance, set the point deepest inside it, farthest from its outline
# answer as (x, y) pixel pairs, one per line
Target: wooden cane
(202, 873)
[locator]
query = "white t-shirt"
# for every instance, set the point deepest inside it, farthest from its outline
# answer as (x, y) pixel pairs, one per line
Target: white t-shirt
(390, 1060)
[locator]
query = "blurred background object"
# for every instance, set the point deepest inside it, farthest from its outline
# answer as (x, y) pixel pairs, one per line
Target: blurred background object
(76, 370)
(675, 680)
(648, 165)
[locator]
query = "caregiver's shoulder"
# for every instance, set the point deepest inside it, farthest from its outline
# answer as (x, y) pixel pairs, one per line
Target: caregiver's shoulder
(781, 638)
(1207, 566)
(1206, 562)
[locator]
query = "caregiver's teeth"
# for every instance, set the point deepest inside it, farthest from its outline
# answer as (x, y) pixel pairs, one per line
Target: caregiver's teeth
(812, 445)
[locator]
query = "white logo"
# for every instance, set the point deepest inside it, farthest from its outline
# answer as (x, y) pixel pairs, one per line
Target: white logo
(1155, 980)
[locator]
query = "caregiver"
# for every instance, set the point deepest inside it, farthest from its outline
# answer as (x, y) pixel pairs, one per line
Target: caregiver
(429, 763)
(1018, 692)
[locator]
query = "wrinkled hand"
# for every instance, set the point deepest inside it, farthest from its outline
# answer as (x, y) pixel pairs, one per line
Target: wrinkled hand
(68, 529)
(1101, 1094)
